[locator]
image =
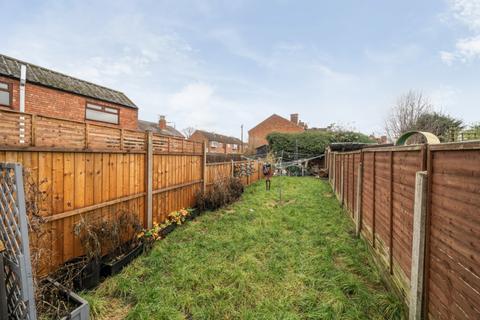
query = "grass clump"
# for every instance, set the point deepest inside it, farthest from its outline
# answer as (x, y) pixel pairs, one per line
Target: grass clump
(272, 255)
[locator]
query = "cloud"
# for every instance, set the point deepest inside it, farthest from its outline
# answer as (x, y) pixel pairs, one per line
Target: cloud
(466, 12)
(467, 49)
(201, 106)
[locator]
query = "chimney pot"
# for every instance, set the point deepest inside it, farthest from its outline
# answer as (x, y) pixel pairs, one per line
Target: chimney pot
(162, 123)
(294, 118)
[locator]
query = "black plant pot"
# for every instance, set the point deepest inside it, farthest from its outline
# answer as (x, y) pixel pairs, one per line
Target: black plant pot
(193, 215)
(89, 277)
(81, 309)
(111, 267)
(167, 230)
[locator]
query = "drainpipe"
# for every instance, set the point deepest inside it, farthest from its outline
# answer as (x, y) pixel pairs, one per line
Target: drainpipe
(23, 80)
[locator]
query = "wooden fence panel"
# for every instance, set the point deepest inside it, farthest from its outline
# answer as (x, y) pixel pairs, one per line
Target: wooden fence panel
(405, 166)
(367, 195)
(72, 182)
(176, 180)
(16, 129)
(454, 243)
(382, 205)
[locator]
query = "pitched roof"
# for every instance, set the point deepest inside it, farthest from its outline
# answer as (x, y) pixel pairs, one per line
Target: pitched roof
(279, 118)
(212, 136)
(10, 67)
(153, 126)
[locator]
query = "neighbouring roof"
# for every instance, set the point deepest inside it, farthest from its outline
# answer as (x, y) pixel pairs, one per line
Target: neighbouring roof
(212, 136)
(153, 126)
(281, 120)
(10, 67)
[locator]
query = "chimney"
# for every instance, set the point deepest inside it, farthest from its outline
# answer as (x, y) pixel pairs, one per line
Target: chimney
(162, 123)
(294, 118)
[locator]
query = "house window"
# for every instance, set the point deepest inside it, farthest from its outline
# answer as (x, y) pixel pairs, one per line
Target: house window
(101, 113)
(5, 94)
(214, 144)
(234, 146)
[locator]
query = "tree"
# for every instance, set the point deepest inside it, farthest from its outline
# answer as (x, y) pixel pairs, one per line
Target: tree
(188, 131)
(444, 126)
(406, 112)
(311, 142)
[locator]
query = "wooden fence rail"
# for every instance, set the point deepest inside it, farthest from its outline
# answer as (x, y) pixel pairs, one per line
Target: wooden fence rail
(96, 172)
(385, 217)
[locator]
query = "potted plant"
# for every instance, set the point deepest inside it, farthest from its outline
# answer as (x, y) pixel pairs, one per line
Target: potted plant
(167, 227)
(85, 269)
(120, 237)
(192, 214)
(58, 302)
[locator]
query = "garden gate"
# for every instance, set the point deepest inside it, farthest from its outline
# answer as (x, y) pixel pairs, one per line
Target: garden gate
(14, 234)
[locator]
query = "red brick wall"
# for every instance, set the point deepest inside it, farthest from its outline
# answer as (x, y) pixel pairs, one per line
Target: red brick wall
(56, 103)
(258, 136)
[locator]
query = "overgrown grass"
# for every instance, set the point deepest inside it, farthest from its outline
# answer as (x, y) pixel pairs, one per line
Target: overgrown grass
(261, 258)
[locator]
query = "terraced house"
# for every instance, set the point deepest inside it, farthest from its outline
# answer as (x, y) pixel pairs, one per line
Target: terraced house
(29, 88)
(218, 143)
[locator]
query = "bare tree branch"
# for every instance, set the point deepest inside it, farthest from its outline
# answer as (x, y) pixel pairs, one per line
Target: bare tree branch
(188, 131)
(406, 112)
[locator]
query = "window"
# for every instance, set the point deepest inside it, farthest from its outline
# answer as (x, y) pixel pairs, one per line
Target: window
(234, 146)
(101, 113)
(214, 144)
(5, 94)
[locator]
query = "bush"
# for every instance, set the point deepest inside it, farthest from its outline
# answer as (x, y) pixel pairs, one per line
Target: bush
(220, 194)
(311, 142)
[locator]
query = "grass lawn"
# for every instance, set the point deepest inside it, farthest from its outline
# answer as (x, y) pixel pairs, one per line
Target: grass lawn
(260, 258)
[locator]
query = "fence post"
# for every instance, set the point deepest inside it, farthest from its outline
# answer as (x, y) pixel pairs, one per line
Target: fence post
(342, 170)
(204, 168)
(390, 200)
(232, 169)
(358, 203)
(149, 180)
(418, 245)
(334, 165)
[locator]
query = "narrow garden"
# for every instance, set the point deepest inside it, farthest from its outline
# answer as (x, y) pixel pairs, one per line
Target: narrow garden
(287, 253)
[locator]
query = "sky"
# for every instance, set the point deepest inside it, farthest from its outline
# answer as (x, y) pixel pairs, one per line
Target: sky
(216, 65)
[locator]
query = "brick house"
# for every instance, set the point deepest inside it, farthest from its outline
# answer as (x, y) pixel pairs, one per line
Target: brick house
(257, 136)
(160, 127)
(218, 143)
(54, 94)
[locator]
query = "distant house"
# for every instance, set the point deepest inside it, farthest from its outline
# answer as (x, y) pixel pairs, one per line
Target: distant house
(218, 143)
(159, 127)
(257, 136)
(54, 94)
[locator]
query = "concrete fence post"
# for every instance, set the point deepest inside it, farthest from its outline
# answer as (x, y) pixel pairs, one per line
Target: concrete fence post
(149, 181)
(418, 246)
(358, 202)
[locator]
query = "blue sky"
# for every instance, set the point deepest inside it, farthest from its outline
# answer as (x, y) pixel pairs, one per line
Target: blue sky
(218, 64)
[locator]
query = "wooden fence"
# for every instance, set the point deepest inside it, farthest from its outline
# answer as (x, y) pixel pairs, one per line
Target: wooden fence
(377, 186)
(97, 172)
(224, 170)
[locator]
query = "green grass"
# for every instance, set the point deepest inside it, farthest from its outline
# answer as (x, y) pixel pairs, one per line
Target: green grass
(260, 258)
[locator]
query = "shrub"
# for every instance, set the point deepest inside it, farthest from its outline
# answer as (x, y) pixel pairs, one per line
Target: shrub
(220, 194)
